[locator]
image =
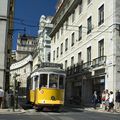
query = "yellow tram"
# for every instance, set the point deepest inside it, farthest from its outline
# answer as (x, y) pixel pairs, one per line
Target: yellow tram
(46, 85)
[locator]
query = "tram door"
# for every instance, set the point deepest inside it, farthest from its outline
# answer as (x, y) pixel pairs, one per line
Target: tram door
(36, 85)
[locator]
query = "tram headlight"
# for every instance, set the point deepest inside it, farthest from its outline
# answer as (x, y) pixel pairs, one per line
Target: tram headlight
(52, 97)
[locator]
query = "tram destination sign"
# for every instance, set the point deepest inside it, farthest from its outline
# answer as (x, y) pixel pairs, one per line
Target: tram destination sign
(47, 64)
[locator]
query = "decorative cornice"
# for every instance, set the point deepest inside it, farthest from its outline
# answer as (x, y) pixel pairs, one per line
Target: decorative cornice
(21, 63)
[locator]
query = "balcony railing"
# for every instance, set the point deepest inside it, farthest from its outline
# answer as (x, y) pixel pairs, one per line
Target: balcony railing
(80, 68)
(99, 61)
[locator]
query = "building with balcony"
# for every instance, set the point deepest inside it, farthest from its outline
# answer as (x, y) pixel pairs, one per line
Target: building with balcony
(6, 31)
(85, 38)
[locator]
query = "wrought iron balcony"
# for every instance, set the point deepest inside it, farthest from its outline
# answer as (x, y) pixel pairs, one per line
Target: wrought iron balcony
(80, 68)
(87, 65)
(100, 61)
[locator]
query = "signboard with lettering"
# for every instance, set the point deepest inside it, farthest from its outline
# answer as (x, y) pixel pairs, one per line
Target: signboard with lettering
(47, 64)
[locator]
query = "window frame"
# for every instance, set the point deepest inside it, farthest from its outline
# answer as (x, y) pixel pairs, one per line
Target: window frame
(66, 44)
(80, 33)
(101, 48)
(89, 25)
(73, 39)
(101, 15)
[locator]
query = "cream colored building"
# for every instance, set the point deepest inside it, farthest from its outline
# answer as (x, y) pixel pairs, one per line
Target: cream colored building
(42, 53)
(26, 44)
(22, 68)
(6, 31)
(85, 38)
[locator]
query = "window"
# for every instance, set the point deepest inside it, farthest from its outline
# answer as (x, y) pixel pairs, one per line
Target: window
(89, 25)
(61, 81)
(24, 70)
(53, 81)
(72, 61)
(73, 16)
(43, 80)
(48, 56)
(53, 55)
(36, 81)
(101, 15)
(72, 39)
(80, 33)
(66, 25)
(66, 44)
(65, 64)
(57, 52)
(80, 7)
(101, 48)
(88, 54)
(89, 1)
(79, 57)
(61, 48)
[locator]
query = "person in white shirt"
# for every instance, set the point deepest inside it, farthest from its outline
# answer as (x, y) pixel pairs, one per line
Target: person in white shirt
(111, 101)
(106, 99)
(1, 96)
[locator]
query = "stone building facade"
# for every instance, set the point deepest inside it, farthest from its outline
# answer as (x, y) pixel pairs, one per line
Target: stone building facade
(25, 46)
(43, 49)
(22, 69)
(6, 31)
(85, 38)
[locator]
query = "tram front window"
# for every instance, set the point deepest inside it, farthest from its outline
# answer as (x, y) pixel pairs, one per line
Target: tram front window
(53, 81)
(61, 82)
(43, 80)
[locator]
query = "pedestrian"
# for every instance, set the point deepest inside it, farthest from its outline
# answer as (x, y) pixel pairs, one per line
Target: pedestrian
(103, 100)
(111, 101)
(95, 99)
(117, 100)
(106, 99)
(1, 96)
(7, 98)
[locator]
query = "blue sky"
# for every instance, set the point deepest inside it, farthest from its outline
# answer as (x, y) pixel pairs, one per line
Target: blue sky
(29, 12)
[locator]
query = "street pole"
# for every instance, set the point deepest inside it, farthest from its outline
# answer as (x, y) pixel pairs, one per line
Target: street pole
(14, 93)
(15, 99)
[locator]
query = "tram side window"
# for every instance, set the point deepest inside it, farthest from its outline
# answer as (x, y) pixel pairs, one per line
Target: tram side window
(53, 81)
(43, 80)
(36, 81)
(31, 83)
(61, 81)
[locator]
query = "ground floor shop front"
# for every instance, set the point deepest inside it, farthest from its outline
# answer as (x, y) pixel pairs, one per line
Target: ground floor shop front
(80, 87)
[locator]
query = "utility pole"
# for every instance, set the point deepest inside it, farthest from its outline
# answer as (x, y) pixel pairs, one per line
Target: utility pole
(15, 98)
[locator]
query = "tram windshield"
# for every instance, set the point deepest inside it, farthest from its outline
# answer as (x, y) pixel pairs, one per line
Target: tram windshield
(53, 81)
(43, 80)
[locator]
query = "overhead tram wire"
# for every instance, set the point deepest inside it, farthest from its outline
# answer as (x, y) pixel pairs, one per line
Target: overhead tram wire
(22, 22)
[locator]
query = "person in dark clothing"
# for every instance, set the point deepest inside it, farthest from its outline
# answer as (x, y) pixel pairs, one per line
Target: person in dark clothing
(117, 100)
(95, 99)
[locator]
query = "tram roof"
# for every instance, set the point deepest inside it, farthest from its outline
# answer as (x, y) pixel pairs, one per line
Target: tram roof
(47, 70)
